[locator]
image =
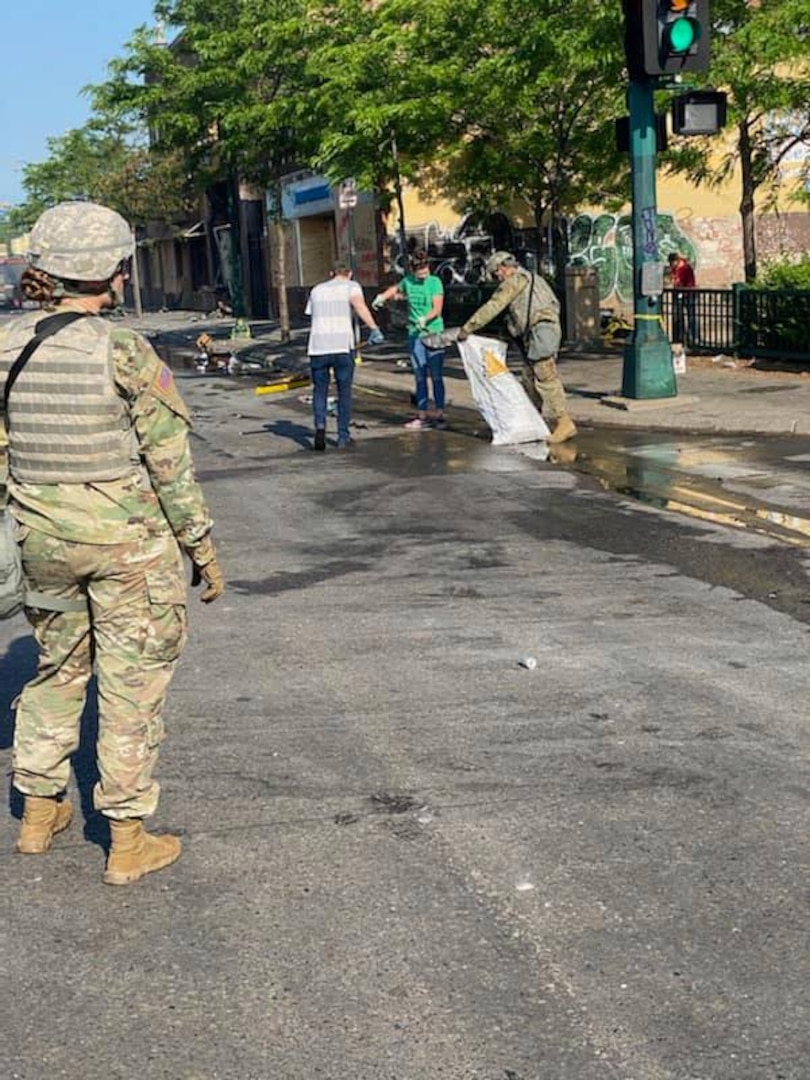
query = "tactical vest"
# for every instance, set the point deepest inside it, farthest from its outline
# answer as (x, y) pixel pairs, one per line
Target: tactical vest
(67, 423)
(545, 307)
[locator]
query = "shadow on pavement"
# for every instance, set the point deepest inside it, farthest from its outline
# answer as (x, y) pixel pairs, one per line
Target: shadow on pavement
(287, 429)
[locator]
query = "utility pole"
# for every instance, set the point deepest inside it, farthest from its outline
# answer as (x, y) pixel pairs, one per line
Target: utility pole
(136, 278)
(403, 236)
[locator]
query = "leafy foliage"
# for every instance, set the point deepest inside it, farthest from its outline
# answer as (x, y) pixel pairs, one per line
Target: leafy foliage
(761, 58)
(104, 164)
(479, 110)
(229, 93)
(786, 274)
(485, 111)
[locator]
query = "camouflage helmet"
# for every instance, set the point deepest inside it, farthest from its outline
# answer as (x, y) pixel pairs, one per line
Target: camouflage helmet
(499, 258)
(80, 241)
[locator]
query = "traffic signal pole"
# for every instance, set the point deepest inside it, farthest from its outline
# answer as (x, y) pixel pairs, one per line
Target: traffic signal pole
(662, 39)
(648, 371)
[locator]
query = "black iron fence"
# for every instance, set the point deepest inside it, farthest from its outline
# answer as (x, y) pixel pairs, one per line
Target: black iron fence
(767, 323)
(773, 323)
(701, 318)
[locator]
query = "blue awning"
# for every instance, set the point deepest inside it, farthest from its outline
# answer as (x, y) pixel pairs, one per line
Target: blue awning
(314, 193)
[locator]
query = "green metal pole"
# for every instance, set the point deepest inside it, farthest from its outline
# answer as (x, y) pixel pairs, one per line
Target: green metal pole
(647, 371)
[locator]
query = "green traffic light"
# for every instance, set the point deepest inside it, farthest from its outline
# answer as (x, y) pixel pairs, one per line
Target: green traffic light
(682, 34)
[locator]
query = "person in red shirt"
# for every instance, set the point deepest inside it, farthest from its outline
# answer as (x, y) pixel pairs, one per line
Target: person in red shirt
(684, 323)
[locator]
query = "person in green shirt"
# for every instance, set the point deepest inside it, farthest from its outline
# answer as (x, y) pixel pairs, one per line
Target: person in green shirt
(424, 294)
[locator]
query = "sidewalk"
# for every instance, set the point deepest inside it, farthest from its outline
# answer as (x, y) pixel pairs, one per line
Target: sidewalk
(716, 395)
(720, 395)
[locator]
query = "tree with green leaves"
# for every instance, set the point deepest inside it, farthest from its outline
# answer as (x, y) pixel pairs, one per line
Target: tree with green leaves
(229, 93)
(450, 95)
(538, 117)
(108, 164)
(486, 110)
(761, 59)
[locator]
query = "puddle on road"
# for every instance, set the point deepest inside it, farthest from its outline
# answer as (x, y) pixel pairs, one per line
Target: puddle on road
(685, 475)
(259, 359)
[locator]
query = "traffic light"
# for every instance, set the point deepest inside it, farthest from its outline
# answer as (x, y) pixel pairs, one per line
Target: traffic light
(666, 37)
(676, 36)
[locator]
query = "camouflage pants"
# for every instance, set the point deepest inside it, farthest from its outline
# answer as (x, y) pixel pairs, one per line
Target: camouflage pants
(133, 633)
(544, 386)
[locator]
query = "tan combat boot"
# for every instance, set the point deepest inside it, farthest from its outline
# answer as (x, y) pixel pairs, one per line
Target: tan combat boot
(564, 429)
(42, 819)
(135, 852)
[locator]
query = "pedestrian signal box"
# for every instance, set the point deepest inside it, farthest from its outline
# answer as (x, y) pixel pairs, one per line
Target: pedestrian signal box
(700, 112)
(666, 37)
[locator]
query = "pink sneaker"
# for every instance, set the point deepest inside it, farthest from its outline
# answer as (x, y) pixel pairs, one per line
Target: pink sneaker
(417, 424)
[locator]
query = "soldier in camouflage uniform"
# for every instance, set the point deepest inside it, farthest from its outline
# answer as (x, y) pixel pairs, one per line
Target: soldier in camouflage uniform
(102, 489)
(533, 321)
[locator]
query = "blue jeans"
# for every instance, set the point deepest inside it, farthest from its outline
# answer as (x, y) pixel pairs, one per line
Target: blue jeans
(424, 360)
(343, 366)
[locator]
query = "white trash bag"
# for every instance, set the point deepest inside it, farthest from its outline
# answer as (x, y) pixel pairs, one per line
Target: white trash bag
(500, 398)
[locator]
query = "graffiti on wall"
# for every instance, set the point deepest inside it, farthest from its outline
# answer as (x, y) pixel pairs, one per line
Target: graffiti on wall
(605, 242)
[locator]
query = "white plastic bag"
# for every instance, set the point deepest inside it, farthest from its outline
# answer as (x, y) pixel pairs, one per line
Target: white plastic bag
(500, 398)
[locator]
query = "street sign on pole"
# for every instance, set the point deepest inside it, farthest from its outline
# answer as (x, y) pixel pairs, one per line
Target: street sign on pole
(347, 194)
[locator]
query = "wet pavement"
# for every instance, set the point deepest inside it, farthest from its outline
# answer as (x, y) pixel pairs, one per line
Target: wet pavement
(732, 447)
(736, 481)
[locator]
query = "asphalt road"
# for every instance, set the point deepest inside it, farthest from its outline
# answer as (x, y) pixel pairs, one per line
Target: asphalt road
(408, 857)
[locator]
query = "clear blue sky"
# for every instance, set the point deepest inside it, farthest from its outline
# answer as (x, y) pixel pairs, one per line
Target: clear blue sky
(51, 49)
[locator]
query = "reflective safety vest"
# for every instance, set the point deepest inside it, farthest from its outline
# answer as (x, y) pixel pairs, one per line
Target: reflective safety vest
(67, 424)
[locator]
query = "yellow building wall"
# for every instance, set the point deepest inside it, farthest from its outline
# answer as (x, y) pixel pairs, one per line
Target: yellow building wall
(674, 193)
(422, 214)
